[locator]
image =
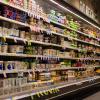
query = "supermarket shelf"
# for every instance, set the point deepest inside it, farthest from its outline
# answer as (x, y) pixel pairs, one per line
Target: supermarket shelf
(13, 6)
(86, 42)
(45, 56)
(66, 68)
(47, 44)
(15, 39)
(74, 30)
(13, 21)
(72, 12)
(15, 71)
(71, 38)
(62, 68)
(26, 25)
(23, 9)
(41, 70)
(26, 10)
(79, 84)
(16, 55)
(25, 55)
(36, 42)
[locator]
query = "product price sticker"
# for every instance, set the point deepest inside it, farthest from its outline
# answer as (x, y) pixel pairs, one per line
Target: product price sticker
(30, 14)
(48, 32)
(48, 20)
(41, 93)
(38, 94)
(32, 97)
(24, 41)
(29, 43)
(4, 38)
(15, 40)
(5, 75)
(46, 92)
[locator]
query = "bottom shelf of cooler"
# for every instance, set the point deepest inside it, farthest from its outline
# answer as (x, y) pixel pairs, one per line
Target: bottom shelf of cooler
(53, 91)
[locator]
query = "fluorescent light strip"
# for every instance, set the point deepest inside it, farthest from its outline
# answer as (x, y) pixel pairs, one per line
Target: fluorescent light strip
(74, 13)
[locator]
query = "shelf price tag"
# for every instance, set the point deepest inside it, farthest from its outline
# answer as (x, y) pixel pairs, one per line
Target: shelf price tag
(29, 43)
(38, 94)
(46, 92)
(57, 90)
(4, 73)
(4, 38)
(50, 91)
(24, 41)
(32, 97)
(15, 40)
(48, 32)
(41, 93)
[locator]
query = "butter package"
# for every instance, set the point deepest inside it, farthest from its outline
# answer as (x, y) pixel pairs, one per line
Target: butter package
(16, 49)
(33, 65)
(18, 81)
(22, 34)
(1, 31)
(12, 48)
(1, 83)
(21, 65)
(9, 65)
(27, 36)
(5, 31)
(33, 37)
(6, 83)
(6, 91)
(1, 91)
(4, 48)
(24, 80)
(20, 49)
(1, 65)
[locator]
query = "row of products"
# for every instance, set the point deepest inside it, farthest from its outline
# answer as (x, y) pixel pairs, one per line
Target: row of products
(20, 84)
(69, 21)
(88, 47)
(31, 6)
(79, 63)
(13, 85)
(33, 50)
(23, 65)
(58, 17)
(14, 14)
(87, 55)
(36, 50)
(48, 39)
(13, 65)
(87, 39)
(66, 75)
(5, 48)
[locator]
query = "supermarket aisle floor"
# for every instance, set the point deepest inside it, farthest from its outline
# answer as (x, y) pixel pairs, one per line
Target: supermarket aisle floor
(95, 96)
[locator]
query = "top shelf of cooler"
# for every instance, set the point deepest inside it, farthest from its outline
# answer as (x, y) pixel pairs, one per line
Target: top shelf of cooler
(62, 5)
(52, 2)
(49, 7)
